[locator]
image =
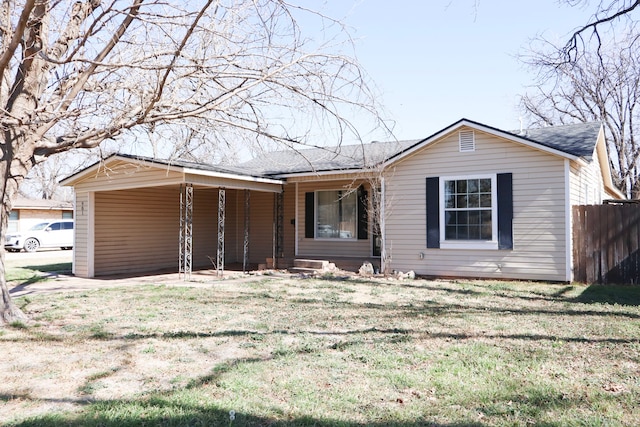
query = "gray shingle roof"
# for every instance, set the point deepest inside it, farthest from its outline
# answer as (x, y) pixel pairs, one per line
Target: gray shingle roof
(345, 157)
(235, 170)
(575, 139)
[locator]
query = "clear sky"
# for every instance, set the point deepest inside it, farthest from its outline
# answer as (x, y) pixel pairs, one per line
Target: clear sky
(436, 61)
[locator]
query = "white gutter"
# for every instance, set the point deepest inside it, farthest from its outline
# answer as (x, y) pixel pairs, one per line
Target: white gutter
(231, 176)
(325, 173)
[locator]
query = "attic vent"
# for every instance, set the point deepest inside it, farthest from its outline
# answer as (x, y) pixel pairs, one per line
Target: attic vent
(467, 141)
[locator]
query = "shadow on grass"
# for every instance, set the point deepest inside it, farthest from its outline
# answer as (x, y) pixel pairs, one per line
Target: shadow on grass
(628, 295)
(59, 267)
(170, 409)
(165, 409)
(162, 412)
(40, 273)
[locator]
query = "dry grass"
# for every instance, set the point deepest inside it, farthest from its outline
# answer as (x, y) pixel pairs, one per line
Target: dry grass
(325, 352)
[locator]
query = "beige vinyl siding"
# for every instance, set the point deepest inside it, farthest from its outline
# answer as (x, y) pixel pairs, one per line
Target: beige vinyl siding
(327, 248)
(587, 187)
(289, 226)
(118, 175)
(539, 227)
(234, 226)
(136, 230)
(205, 226)
(261, 227)
(81, 235)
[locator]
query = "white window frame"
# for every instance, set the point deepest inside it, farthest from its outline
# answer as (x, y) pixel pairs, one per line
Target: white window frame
(470, 244)
(315, 219)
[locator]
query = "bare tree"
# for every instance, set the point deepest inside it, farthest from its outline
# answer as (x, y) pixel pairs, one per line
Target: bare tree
(598, 86)
(74, 74)
(608, 14)
(43, 181)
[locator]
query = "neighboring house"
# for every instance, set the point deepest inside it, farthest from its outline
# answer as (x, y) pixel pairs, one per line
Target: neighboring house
(26, 213)
(468, 201)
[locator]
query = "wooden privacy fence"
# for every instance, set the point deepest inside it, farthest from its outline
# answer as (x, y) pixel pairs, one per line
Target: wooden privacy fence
(606, 240)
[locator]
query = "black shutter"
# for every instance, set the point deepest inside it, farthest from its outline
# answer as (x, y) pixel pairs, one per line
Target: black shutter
(309, 215)
(505, 210)
(433, 212)
(363, 214)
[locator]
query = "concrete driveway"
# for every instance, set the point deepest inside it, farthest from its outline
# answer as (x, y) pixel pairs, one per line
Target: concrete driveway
(41, 257)
(65, 282)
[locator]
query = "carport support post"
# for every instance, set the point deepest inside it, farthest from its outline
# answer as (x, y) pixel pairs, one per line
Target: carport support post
(278, 227)
(185, 250)
(245, 246)
(222, 203)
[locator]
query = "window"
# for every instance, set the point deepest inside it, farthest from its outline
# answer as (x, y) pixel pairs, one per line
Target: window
(55, 226)
(336, 214)
(67, 215)
(14, 219)
(468, 209)
(470, 212)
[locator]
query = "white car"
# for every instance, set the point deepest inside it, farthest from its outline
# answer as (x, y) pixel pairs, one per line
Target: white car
(53, 234)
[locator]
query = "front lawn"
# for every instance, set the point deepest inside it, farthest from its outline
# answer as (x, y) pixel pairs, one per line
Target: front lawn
(325, 352)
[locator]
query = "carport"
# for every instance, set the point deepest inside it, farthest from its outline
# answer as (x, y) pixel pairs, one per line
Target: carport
(136, 215)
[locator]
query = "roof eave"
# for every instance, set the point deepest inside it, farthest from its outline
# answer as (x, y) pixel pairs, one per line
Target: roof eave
(70, 181)
(248, 178)
(327, 172)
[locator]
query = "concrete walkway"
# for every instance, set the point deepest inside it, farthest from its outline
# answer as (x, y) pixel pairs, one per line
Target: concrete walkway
(68, 283)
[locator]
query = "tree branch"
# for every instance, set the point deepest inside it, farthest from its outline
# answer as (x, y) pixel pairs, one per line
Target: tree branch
(18, 34)
(570, 50)
(90, 70)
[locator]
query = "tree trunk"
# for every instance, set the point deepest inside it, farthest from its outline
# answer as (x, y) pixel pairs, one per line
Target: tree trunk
(11, 176)
(9, 312)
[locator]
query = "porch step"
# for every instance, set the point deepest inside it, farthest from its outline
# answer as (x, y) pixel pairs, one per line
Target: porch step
(316, 264)
(311, 266)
